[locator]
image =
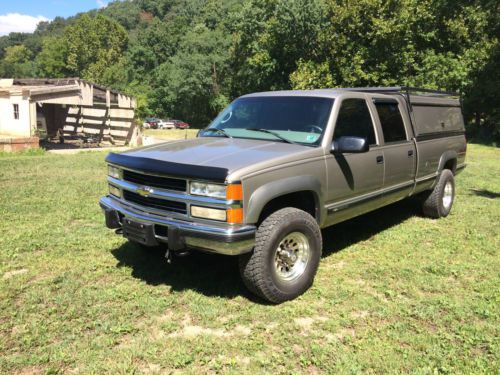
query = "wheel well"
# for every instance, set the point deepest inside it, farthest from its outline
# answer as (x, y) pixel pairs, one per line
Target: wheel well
(451, 165)
(303, 200)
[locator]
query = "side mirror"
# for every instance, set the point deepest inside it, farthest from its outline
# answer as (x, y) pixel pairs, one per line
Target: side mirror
(350, 145)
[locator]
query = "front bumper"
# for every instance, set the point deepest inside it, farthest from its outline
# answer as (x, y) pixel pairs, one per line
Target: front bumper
(178, 234)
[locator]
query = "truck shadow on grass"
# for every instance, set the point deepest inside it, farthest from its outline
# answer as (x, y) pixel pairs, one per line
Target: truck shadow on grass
(217, 275)
(485, 193)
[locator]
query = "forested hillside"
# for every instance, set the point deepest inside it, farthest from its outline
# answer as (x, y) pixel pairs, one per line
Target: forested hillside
(189, 58)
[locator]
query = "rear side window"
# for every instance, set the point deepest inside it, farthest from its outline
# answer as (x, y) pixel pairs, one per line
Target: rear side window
(354, 120)
(391, 121)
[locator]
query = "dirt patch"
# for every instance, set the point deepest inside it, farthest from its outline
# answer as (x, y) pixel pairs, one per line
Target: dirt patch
(359, 282)
(193, 331)
(30, 370)
(344, 333)
(167, 317)
(360, 314)
(242, 330)
(306, 323)
(225, 319)
(271, 326)
(339, 265)
(10, 274)
(190, 331)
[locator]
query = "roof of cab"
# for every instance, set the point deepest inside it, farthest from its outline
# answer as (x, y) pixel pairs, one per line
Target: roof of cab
(321, 93)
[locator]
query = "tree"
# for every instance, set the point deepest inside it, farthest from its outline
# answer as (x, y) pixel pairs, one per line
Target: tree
(126, 13)
(194, 77)
(270, 39)
(16, 62)
(94, 43)
(310, 75)
(52, 60)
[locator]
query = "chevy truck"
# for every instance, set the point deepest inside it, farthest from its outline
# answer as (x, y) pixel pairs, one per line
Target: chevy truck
(274, 168)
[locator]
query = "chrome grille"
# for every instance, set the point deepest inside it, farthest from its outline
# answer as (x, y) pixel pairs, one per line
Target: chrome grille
(167, 183)
(160, 204)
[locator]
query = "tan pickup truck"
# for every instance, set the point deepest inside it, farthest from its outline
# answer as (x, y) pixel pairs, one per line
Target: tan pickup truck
(275, 167)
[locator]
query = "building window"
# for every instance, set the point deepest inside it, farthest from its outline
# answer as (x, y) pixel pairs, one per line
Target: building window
(16, 111)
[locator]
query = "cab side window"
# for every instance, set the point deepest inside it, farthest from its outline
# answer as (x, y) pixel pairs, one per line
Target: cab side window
(391, 121)
(354, 120)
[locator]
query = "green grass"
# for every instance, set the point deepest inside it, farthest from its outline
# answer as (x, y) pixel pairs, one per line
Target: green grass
(171, 134)
(394, 293)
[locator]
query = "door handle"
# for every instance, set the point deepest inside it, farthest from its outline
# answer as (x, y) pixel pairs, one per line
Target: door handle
(410, 153)
(380, 159)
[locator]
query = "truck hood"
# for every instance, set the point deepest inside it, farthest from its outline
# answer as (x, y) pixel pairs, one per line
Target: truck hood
(231, 154)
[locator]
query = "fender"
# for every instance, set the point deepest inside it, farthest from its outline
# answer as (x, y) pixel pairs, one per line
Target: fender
(265, 193)
(447, 156)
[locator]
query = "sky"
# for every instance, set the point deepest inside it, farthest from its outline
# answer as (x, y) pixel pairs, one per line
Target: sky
(24, 15)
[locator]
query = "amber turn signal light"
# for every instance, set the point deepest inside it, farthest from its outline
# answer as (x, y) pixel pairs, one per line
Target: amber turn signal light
(235, 215)
(234, 192)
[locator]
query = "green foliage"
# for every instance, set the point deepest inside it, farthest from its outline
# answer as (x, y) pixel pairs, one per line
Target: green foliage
(94, 43)
(270, 38)
(187, 58)
(310, 75)
(194, 77)
(126, 13)
(13, 39)
(16, 62)
(51, 61)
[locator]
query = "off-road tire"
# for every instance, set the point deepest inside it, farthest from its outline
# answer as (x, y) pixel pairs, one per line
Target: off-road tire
(433, 203)
(257, 268)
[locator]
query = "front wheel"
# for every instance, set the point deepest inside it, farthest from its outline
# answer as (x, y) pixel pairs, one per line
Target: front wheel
(286, 256)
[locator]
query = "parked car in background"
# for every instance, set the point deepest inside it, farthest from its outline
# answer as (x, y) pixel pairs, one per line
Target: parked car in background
(166, 124)
(150, 123)
(180, 124)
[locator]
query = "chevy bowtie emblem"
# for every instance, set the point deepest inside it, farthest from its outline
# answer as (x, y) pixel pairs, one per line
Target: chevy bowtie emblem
(144, 191)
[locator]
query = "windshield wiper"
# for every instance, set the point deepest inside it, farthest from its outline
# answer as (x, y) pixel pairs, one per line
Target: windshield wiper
(220, 131)
(275, 134)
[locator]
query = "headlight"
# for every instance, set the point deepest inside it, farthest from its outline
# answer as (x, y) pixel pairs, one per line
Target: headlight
(114, 172)
(113, 190)
(208, 190)
(208, 213)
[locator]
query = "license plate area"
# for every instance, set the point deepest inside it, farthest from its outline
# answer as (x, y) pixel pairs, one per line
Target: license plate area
(139, 232)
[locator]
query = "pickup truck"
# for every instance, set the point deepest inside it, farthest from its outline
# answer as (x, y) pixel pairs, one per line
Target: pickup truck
(274, 168)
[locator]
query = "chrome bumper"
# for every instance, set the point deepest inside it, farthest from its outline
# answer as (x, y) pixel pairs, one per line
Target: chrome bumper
(178, 234)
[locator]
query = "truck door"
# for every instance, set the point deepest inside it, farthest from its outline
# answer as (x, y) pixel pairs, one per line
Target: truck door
(399, 150)
(354, 180)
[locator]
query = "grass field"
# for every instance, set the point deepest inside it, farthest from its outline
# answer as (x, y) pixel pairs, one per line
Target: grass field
(171, 133)
(395, 292)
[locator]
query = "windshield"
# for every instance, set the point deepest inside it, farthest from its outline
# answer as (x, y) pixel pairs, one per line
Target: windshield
(282, 119)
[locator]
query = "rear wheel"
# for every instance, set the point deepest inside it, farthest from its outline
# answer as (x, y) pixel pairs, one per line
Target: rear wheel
(439, 202)
(286, 256)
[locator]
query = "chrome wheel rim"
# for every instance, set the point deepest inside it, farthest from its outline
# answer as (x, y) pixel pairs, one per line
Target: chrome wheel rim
(291, 256)
(447, 195)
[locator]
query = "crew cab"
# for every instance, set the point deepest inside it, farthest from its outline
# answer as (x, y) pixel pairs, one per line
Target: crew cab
(275, 167)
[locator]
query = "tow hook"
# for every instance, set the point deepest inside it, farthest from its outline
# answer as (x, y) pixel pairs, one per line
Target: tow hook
(168, 256)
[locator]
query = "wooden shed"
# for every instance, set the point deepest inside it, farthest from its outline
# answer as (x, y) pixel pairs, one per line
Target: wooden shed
(65, 108)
